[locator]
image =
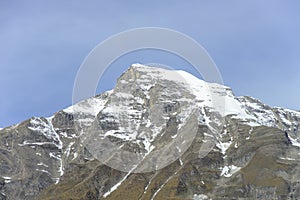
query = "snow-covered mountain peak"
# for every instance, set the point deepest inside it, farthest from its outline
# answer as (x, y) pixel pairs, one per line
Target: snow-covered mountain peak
(192, 135)
(178, 76)
(138, 81)
(215, 97)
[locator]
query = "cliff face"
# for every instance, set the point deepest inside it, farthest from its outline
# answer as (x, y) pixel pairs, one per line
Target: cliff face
(158, 134)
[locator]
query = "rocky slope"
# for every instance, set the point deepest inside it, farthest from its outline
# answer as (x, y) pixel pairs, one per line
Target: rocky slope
(158, 134)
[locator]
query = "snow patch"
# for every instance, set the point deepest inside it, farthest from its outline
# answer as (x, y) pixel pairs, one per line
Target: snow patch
(67, 152)
(42, 164)
(7, 179)
(45, 127)
(223, 146)
(58, 157)
(119, 183)
(26, 143)
(42, 170)
(287, 158)
(91, 106)
(228, 171)
(159, 189)
(180, 161)
(294, 142)
(200, 197)
(178, 149)
(75, 156)
(146, 188)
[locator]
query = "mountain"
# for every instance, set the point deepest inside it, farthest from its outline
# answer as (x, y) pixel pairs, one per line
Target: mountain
(159, 134)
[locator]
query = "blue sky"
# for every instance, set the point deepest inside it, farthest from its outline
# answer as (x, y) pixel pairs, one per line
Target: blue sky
(255, 45)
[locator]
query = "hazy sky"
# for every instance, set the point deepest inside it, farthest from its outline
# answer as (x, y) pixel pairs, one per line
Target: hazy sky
(255, 45)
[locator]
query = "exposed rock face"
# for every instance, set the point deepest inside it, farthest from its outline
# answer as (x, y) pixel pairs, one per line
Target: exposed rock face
(182, 139)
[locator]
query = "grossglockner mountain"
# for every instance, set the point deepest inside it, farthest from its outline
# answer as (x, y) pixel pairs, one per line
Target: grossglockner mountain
(159, 134)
